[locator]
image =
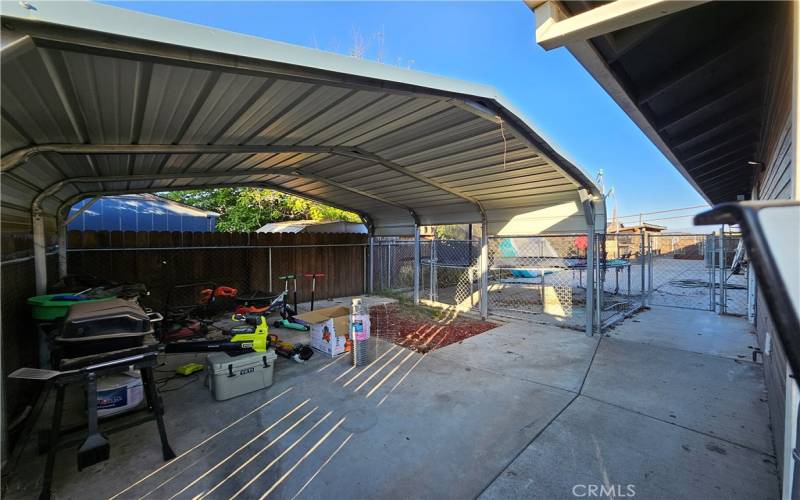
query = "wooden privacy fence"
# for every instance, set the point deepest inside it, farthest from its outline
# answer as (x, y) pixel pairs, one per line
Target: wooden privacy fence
(246, 261)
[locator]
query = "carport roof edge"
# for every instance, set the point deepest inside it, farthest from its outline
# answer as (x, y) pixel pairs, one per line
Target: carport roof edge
(57, 19)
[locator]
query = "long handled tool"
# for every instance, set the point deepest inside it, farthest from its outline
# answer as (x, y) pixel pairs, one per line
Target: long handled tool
(313, 277)
(288, 312)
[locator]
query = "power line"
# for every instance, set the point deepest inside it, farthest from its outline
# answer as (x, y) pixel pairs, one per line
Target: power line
(662, 211)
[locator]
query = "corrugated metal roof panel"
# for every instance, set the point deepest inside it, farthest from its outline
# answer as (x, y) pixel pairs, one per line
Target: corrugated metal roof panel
(383, 142)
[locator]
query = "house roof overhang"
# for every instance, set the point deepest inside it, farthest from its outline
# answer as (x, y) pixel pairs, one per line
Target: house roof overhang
(695, 76)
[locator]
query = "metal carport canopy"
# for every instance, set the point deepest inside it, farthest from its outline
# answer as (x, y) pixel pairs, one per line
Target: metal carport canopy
(100, 100)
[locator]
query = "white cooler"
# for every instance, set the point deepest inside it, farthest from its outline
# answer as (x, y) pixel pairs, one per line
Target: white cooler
(232, 376)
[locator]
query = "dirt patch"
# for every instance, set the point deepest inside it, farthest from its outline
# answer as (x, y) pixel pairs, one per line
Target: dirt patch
(422, 329)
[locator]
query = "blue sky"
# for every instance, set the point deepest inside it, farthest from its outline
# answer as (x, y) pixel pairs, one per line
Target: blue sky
(490, 43)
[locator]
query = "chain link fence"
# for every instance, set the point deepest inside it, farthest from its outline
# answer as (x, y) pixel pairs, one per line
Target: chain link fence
(681, 270)
(543, 278)
(393, 262)
(540, 279)
(623, 273)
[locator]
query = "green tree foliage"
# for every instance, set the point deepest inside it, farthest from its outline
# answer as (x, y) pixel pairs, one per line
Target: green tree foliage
(247, 209)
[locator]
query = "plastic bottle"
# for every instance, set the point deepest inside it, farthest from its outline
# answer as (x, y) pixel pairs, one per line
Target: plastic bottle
(359, 332)
(359, 320)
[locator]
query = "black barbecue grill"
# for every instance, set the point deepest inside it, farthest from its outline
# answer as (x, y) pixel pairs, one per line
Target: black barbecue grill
(102, 338)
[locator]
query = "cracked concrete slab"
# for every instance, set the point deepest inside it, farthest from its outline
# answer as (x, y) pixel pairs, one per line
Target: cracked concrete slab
(717, 396)
(595, 445)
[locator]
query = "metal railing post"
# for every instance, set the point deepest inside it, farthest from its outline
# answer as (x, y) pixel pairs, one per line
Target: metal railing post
(269, 267)
(417, 263)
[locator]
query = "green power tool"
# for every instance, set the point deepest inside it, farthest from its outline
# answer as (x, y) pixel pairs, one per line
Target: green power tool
(249, 333)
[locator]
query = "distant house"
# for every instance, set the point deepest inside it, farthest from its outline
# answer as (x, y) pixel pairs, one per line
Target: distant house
(645, 227)
(313, 226)
(140, 212)
(624, 242)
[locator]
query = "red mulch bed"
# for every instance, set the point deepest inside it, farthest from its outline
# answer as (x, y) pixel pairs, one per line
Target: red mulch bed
(421, 329)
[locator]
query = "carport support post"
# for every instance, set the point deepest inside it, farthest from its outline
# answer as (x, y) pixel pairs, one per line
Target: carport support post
(62, 247)
(39, 256)
(417, 261)
(371, 264)
(722, 292)
(484, 300)
(590, 279)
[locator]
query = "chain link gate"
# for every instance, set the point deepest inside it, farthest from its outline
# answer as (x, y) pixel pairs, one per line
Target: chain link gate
(694, 271)
(731, 278)
(394, 264)
(450, 274)
(681, 270)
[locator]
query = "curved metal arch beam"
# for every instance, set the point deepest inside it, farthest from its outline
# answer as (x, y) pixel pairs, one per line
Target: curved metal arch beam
(19, 156)
(54, 188)
(69, 202)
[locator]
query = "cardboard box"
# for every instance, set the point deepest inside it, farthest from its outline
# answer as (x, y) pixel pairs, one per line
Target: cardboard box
(330, 328)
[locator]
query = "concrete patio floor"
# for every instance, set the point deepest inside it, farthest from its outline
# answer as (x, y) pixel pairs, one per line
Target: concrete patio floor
(521, 411)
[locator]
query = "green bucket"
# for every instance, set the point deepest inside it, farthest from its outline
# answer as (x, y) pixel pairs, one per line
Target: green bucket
(49, 307)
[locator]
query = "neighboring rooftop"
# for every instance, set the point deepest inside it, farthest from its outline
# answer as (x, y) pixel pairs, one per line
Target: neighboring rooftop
(614, 227)
(313, 226)
(139, 212)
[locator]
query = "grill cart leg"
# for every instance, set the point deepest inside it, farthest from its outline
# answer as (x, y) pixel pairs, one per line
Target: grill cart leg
(154, 401)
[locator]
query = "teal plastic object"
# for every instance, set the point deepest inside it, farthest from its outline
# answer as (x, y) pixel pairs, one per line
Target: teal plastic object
(56, 306)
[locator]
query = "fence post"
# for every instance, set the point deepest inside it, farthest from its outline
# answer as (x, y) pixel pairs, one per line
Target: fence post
(269, 267)
(389, 251)
(590, 280)
(431, 258)
(600, 280)
(417, 263)
(642, 257)
(371, 264)
(712, 273)
(721, 251)
(651, 257)
(484, 273)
